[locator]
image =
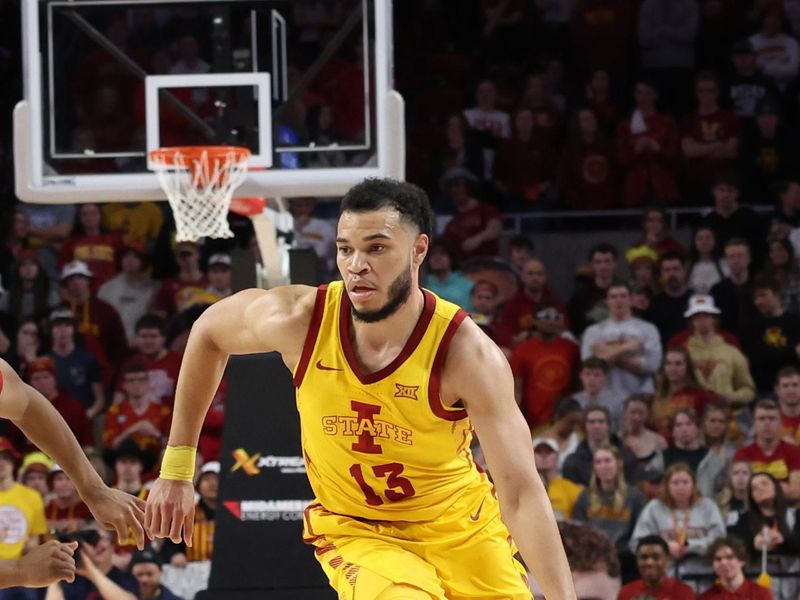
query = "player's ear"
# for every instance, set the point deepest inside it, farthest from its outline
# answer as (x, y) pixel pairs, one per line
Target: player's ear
(420, 248)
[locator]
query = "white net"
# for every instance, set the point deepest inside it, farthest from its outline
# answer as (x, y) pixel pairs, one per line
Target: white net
(199, 183)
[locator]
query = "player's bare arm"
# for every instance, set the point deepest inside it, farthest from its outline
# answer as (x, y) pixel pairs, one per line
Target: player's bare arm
(44, 426)
(248, 322)
(477, 373)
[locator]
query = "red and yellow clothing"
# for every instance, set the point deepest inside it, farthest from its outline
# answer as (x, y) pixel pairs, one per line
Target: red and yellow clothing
(175, 295)
(162, 372)
(782, 461)
(21, 516)
(470, 222)
(98, 251)
(203, 536)
(382, 445)
(518, 315)
(563, 495)
(122, 416)
(398, 492)
(790, 428)
(547, 369)
(648, 173)
(749, 590)
(670, 589)
(664, 407)
(719, 126)
(71, 518)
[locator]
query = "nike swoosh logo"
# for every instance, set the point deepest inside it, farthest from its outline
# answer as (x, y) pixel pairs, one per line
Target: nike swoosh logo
(322, 367)
(477, 515)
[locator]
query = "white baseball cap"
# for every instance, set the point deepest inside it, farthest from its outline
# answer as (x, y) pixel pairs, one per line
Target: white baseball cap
(76, 267)
(701, 304)
(547, 441)
(220, 259)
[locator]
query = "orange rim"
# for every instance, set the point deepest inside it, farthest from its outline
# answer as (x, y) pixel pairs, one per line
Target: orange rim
(190, 154)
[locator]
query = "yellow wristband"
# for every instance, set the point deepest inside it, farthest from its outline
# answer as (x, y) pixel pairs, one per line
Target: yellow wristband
(178, 463)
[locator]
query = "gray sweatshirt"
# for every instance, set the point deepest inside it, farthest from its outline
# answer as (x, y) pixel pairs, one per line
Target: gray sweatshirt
(704, 524)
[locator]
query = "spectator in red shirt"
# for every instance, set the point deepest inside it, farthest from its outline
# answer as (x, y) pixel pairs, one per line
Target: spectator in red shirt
(538, 98)
(42, 375)
(769, 453)
(65, 511)
(600, 102)
(182, 291)
(787, 389)
(91, 244)
(98, 321)
(647, 147)
(138, 416)
(728, 557)
(524, 168)
(587, 171)
(516, 322)
(544, 367)
(709, 137)
(652, 556)
(162, 364)
(476, 226)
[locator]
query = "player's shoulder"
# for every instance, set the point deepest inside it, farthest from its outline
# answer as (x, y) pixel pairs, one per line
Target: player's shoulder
(286, 303)
(471, 351)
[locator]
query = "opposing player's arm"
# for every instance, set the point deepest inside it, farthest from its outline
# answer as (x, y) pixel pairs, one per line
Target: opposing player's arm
(249, 322)
(477, 373)
(44, 426)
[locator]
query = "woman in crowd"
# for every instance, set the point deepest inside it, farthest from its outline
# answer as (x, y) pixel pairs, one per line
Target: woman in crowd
(682, 516)
(610, 504)
(643, 442)
(768, 520)
(655, 234)
(91, 243)
(732, 500)
(26, 347)
(705, 266)
(677, 387)
(29, 292)
(783, 267)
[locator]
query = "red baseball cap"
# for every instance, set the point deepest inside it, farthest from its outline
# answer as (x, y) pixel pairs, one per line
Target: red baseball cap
(42, 363)
(8, 448)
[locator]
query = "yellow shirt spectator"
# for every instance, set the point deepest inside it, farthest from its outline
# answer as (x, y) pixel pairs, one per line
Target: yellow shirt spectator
(21, 516)
(563, 495)
(137, 222)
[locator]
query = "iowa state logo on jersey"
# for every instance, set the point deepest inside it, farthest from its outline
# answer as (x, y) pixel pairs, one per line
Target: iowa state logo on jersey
(366, 427)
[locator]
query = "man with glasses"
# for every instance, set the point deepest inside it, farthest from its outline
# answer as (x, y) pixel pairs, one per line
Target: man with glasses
(138, 416)
(544, 367)
(728, 557)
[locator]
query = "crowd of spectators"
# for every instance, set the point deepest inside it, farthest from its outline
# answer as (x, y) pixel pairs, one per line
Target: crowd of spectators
(663, 395)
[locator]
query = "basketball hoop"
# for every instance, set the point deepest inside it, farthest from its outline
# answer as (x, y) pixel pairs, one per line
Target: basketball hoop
(199, 182)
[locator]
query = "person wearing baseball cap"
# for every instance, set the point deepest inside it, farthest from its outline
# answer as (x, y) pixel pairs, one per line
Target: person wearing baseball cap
(219, 275)
(563, 493)
(97, 321)
(34, 470)
(146, 567)
(720, 366)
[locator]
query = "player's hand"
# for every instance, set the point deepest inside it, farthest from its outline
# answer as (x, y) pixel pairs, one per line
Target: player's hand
(118, 510)
(48, 563)
(170, 509)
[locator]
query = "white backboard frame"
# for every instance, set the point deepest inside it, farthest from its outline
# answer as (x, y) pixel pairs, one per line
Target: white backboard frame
(153, 84)
(34, 184)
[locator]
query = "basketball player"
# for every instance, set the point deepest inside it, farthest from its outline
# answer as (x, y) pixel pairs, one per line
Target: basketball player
(36, 417)
(389, 380)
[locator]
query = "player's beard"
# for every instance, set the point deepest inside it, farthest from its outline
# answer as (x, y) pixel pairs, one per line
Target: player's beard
(399, 291)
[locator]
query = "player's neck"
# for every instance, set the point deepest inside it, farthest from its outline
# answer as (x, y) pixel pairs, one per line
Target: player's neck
(392, 331)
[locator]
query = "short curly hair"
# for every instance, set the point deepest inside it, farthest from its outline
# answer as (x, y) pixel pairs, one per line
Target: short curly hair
(588, 549)
(406, 198)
